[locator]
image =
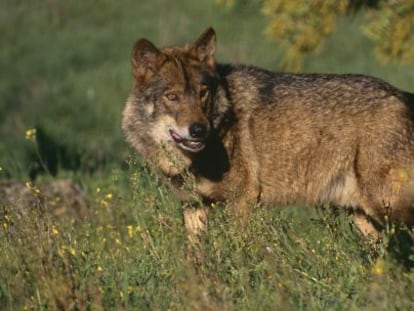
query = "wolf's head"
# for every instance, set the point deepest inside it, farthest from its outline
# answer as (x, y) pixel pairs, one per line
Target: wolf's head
(167, 115)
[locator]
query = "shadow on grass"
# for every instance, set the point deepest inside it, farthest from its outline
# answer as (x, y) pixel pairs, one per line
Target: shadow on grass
(401, 247)
(50, 154)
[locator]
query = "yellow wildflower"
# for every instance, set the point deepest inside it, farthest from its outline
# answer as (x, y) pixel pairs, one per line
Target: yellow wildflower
(55, 231)
(61, 251)
(72, 251)
(130, 231)
(31, 134)
(378, 268)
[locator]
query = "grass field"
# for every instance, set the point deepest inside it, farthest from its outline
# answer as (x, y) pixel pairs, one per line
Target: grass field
(65, 72)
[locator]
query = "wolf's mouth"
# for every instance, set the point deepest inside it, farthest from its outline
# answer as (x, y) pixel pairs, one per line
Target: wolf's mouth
(192, 145)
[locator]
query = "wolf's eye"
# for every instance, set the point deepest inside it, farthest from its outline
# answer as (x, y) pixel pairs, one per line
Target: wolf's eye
(203, 92)
(171, 97)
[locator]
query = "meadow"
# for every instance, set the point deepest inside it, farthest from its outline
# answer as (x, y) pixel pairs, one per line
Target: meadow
(115, 239)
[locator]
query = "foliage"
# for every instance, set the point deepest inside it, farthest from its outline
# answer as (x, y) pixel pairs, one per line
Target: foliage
(129, 252)
(301, 27)
(65, 76)
(390, 26)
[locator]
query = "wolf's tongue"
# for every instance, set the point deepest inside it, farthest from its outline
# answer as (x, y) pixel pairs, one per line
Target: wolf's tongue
(175, 136)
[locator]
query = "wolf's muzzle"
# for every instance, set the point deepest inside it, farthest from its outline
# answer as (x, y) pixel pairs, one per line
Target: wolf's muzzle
(192, 145)
(198, 130)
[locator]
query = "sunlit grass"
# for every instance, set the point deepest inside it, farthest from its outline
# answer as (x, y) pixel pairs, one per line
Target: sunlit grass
(130, 252)
(121, 244)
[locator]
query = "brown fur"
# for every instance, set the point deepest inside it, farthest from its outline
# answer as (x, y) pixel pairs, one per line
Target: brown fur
(274, 138)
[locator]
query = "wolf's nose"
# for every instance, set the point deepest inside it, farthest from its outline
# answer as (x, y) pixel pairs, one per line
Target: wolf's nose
(198, 130)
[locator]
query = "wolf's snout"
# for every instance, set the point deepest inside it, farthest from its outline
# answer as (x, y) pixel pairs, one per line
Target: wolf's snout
(198, 130)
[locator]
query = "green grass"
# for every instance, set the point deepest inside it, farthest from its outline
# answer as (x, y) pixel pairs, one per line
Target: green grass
(65, 71)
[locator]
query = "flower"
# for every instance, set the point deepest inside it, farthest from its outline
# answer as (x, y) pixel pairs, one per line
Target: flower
(55, 231)
(31, 134)
(130, 231)
(72, 251)
(378, 268)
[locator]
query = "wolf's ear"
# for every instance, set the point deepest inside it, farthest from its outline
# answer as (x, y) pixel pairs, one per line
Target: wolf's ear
(145, 56)
(205, 47)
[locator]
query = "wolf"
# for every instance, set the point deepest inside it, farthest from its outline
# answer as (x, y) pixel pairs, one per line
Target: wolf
(247, 136)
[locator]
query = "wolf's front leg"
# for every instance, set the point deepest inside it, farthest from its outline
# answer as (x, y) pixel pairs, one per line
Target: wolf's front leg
(240, 188)
(366, 227)
(195, 223)
(242, 206)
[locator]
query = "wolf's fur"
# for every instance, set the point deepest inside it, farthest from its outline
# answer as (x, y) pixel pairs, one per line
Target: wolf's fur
(274, 138)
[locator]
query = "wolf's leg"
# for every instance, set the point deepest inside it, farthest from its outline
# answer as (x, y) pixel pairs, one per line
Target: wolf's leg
(195, 223)
(366, 227)
(387, 197)
(242, 205)
(385, 179)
